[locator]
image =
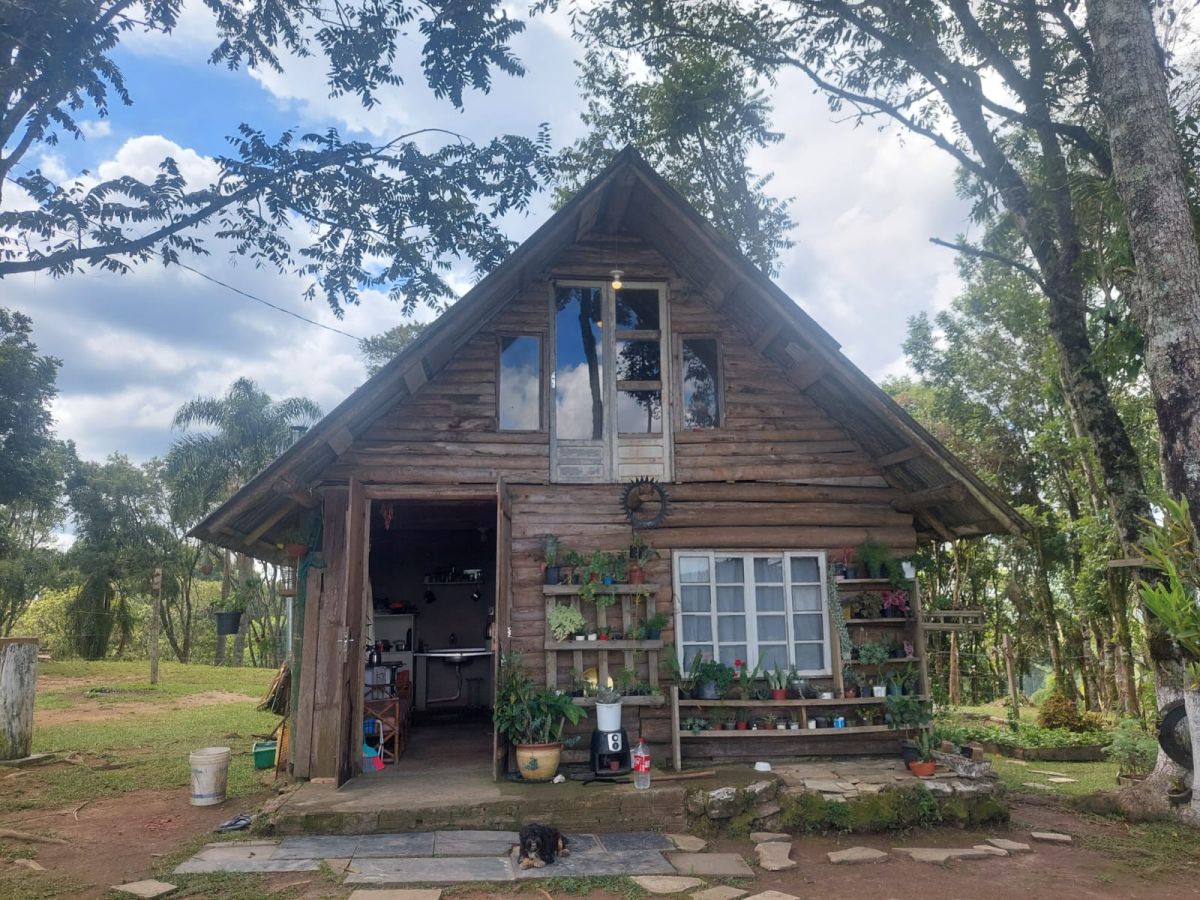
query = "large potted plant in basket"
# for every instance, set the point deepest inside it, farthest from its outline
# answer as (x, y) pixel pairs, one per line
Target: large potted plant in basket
(229, 609)
(532, 720)
(713, 679)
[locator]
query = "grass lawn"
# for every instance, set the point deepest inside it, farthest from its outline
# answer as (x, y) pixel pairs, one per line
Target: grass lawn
(144, 743)
(1090, 777)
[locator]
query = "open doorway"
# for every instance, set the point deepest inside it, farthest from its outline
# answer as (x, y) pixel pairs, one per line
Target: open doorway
(432, 576)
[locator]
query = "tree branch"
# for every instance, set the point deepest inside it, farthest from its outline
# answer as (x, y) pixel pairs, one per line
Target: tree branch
(980, 252)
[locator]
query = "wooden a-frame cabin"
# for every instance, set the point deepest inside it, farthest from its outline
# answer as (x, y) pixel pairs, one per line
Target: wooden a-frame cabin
(525, 410)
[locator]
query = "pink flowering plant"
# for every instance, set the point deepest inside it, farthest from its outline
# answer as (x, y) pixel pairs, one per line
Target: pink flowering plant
(895, 602)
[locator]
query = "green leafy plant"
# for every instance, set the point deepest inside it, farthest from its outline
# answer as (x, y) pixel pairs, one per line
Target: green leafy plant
(550, 549)
(906, 712)
(777, 679)
(606, 694)
(640, 552)
(565, 621)
(1058, 711)
(1173, 549)
(1133, 750)
(526, 715)
(652, 625)
(695, 723)
(747, 679)
(716, 672)
(873, 652)
(873, 556)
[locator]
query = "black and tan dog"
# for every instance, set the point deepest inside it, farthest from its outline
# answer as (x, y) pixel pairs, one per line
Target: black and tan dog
(539, 845)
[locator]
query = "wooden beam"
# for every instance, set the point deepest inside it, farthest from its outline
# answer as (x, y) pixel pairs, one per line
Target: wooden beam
(286, 487)
(899, 456)
(340, 441)
(949, 492)
(266, 525)
(769, 334)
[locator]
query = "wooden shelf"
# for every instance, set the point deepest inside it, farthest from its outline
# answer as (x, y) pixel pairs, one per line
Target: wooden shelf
(644, 700)
(571, 590)
(603, 645)
(879, 622)
(864, 581)
(433, 583)
(786, 704)
(886, 662)
(775, 732)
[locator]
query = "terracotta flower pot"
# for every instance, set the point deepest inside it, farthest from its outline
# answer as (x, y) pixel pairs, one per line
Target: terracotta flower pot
(296, 551)
(538, 762)
(922, 769)
(742, 726)
(637, 575)
(778, 693)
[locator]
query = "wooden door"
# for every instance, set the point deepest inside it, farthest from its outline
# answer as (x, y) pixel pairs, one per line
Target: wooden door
(501, 628)
(349, 758)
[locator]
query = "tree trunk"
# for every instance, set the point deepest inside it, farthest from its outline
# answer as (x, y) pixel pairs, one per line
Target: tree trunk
(245, 571)
(1149, 168)
(18, 680)
(226, 587)
(1191, 702)
(955, 692)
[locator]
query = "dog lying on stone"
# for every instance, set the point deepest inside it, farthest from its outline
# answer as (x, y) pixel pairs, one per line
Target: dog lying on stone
(539, 845)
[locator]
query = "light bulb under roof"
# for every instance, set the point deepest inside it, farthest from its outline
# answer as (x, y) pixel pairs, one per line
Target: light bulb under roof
(616, 279)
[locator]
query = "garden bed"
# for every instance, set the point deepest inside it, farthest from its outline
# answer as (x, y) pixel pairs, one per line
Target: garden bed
(1028, 742)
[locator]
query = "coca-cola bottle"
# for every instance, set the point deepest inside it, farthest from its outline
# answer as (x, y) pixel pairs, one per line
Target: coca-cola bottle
(641, 766)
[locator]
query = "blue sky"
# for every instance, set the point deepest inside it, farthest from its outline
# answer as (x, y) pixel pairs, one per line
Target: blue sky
(135, 347)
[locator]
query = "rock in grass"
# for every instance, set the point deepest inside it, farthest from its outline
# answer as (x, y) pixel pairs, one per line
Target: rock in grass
(149, 888)
(857, 856)
(1051, 837)
(775, 856)
(666, 884)
(1010, 846)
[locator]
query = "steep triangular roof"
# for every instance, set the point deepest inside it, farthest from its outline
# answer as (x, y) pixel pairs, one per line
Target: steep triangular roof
(943, 494)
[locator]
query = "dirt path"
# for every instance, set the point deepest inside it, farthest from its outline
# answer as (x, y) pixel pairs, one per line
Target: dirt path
(119, 839)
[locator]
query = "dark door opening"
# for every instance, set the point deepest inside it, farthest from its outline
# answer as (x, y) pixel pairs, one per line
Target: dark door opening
(430, 615)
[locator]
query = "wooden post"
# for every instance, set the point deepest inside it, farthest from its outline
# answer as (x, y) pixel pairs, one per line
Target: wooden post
(155, 622)
(1011, 667)
(18, 680)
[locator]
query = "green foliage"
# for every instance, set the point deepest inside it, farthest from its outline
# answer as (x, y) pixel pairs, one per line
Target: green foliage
(1132, 749)
(1173, 549)
(905, 712)
(380, 349)
(1026, 737)
(894, 809)
(1058, 712)
(711, 670)
(873, 652)
(565, 621)
(388, 216)
(526, 715)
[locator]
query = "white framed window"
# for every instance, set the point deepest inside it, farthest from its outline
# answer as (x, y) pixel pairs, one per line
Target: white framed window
(766, 607)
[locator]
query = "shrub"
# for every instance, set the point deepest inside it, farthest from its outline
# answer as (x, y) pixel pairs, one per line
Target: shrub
(1134, 751)
(1059, 712)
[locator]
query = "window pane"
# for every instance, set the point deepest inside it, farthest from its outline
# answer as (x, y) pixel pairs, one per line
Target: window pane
(768, 569)
(806, 596)
(731, 652)
(578, 364)
(690, 651)
(773, 657)
(731, 628)
(639, 412)
(730, 570)
(807, 627)
(693, 568)
(806, 569)
(810, 657)
(697, 628)
(769, 599)
(731, 598)
(637, 309)
(638, 361)
(772, 628)
(694, 598)
(701, 385)
(520, 383)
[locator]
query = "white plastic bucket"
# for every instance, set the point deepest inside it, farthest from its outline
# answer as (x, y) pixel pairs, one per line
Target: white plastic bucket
(608, 716)
(210, 775)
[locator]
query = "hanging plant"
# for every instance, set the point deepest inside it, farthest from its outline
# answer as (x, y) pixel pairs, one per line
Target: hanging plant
(834, 603)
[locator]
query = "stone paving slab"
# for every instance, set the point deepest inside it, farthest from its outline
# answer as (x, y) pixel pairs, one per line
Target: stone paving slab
(195, 866)
(688, 843)
(775, 856)
(582, 843)
(599, 862)
(233, 852)
(719, 892)
(417, 843)
(397, 894)
(667, 884)
(148, 888)
(635, 840)
(724, 865)
(938, 855)
(773, 895)
(317, 846)
(1010, 846)
(853, 856)
(473, 843)
(1050, 837)
(417, 870)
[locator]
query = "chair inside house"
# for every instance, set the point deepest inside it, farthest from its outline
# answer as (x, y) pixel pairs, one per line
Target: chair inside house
(387, 717)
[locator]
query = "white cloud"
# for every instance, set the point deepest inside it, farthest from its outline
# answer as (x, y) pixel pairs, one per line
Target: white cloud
(96, 128)
(141, 157)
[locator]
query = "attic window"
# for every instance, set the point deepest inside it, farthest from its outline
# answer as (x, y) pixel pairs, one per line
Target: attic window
(519, 394)
(701, 381)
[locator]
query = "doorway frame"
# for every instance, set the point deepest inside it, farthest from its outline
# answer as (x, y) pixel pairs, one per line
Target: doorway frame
(429, 493)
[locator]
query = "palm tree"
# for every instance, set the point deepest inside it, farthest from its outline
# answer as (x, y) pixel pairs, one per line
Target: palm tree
(248, 430)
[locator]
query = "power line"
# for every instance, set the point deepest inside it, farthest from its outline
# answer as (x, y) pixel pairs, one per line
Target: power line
(268, 303)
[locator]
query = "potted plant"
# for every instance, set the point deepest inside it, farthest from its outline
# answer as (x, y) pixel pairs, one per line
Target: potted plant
(532, 720)
(1133, 750)
(851, 682)
(843, 563)
(873, 557)
(746, 678)
(712, 679)
(873, 653)
(743, 720)
(570, 563)
(581, 634)
(565, 621)
(608, 709)
(793, 724)
(229, 609)
(778, 680)
(923, 766)
(895, 604)
(906, 714)
(769, 721)
(551, 570)
(650, 629)
(695, 724)
(640, 554)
